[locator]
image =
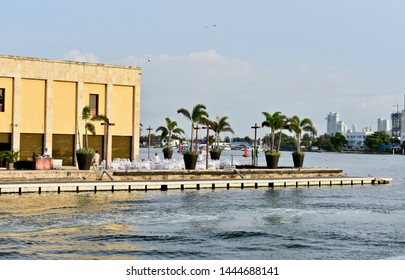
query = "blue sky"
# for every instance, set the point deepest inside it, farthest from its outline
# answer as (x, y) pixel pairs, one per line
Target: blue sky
(239, 58)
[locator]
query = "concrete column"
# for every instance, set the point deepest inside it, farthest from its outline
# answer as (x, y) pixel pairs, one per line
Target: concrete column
(48, 114)
(16, 130)
(79, 122)
(136, 118)
(108, 113)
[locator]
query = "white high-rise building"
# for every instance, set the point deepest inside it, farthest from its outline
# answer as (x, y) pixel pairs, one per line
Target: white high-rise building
(383, 125)
(331, 123)
(334, 124)
(341, 127)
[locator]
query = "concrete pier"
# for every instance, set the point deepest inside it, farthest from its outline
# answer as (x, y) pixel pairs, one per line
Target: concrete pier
(20, 182)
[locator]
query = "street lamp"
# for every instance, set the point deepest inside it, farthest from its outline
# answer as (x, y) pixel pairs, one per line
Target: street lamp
(255, 127)
(196, 137)
(149, 130)
(208, 142)
(107, 125)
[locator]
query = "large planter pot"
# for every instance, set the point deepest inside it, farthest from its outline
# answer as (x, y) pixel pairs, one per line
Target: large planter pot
(84, 161)
(190, 160)
(298, 160)
(215, 154)
(167, 153)
(272, 161)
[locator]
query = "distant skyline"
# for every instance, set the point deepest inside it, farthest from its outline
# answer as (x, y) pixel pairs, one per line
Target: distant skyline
(239, 58)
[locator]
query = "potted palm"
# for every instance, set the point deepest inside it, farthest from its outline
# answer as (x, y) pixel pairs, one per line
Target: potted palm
(11, 157)
(297, 126)
(276, 122)
(221, 125)
(197, 115)
(85, 155)
(169, 132)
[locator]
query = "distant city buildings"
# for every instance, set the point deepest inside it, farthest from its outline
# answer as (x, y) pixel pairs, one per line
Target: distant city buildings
(383, 125)
(334, 124)
(394, 127)
(355, 138)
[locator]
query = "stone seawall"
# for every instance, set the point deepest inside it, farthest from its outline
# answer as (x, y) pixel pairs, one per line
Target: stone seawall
(226, 174)
(148, 175)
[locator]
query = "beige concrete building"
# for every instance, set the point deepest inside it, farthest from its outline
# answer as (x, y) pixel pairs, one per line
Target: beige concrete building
(41, 102)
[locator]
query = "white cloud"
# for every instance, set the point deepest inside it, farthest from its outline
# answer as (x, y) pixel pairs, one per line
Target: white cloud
(75, 55)
(242, 90)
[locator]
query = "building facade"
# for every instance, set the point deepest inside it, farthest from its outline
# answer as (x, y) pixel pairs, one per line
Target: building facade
(334, 124)
(396, 121)
(402, 137)
(41, 103)
(383, 125)
(355, 140)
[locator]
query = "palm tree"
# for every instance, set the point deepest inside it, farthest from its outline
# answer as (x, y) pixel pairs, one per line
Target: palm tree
(276, 122)
(219, 126)
(197, 115)
(298, 126)
(169, 132)
(84, 155)
(89, 126)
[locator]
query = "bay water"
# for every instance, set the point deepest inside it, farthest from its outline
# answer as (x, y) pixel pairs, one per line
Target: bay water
(336, 223)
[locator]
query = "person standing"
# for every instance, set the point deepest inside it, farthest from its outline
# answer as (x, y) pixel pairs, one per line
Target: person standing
(96, 161)
(157, 158)
(47, 154)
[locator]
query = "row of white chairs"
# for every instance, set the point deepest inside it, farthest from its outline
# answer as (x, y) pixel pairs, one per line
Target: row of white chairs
(126, 164)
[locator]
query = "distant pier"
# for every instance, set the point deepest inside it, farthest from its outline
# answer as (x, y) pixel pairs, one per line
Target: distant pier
(75, 181)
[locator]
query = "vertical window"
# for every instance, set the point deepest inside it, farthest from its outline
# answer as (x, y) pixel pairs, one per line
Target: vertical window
(93, 104)
(2, 99)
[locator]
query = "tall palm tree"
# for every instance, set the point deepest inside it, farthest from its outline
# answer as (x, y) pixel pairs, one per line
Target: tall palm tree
(298, 126)
(197, 115)
(169, 131)
(89, 126)
(276, 122)
(219, 126)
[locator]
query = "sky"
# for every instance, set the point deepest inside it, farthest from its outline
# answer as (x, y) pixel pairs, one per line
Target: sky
(238, 58)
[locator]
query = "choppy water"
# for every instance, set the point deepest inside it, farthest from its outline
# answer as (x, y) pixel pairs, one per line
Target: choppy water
(306, 223)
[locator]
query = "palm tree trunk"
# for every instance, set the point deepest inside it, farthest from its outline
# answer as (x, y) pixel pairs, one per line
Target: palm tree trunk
(192, 136)
(279, 141)
(87, 141)
(298, 142)
(272, 140)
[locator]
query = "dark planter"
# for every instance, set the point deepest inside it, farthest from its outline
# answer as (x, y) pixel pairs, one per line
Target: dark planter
(298, 160)
(272, 161)
(215, 154)
(84, 161)
(167, 153)
(190, 160)
(24, 165)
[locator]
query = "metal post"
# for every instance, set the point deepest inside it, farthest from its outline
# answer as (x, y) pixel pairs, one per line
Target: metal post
(149, 129)
(196, 138)
(254, 145)
(107, 135)
(208, 142)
